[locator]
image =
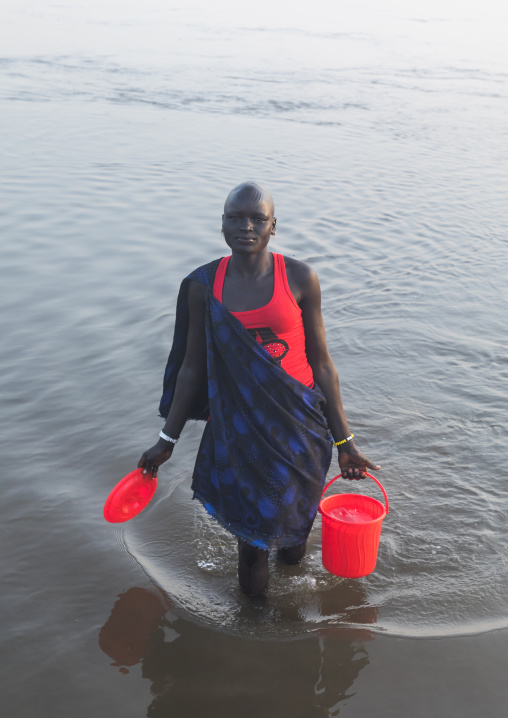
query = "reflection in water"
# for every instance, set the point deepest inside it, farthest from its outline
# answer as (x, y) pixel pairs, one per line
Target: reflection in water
(349, 607)
(199, 672)
(127, 633)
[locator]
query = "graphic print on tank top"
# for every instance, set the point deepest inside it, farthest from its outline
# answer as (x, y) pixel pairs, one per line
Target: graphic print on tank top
(276, 347)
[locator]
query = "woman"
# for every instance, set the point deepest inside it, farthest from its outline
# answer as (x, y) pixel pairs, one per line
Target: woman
(250, 356)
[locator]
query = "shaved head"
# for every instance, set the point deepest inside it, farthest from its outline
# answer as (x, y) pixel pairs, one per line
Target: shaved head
(250, 191)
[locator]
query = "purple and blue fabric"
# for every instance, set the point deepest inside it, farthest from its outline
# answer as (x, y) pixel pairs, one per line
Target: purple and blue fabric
(266, 450)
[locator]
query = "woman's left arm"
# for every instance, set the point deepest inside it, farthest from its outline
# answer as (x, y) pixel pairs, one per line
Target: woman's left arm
(305, 286)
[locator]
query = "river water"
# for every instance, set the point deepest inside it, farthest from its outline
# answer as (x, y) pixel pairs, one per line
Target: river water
(382, 135)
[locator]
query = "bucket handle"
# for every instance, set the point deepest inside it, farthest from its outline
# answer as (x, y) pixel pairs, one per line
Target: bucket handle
(370, 477)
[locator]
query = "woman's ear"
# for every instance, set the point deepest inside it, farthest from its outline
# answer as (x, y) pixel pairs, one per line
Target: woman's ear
(274, 227)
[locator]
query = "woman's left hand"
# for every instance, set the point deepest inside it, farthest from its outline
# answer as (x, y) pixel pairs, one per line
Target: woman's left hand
(353, 463)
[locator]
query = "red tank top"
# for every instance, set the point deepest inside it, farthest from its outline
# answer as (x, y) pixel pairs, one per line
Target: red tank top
(277, 326)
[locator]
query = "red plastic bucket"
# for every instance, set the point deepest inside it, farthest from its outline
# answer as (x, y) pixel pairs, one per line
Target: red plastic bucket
(351, 529)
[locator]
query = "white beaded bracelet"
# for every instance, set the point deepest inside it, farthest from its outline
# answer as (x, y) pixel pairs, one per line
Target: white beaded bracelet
(167, 438)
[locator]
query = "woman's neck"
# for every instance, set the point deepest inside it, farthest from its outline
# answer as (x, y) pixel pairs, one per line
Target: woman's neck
(251, 265)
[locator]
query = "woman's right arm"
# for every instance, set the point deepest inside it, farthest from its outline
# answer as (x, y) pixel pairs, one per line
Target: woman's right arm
(188, 383)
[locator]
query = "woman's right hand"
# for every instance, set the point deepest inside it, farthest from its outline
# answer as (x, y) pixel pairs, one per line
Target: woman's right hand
(155, 456)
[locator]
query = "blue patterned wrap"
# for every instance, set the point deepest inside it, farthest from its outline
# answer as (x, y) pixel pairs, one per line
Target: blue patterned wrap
(266, 449)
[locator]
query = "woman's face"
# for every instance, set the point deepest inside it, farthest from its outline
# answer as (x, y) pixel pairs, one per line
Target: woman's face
(248, 223)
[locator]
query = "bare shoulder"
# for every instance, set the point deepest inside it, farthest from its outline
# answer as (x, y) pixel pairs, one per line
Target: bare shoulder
(302, 278)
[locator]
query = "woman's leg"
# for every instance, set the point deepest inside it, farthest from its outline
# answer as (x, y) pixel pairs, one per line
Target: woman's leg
(252, 569)
(293, 554)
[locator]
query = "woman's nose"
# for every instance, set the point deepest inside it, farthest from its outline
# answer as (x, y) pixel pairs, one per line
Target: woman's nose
(246, 223)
